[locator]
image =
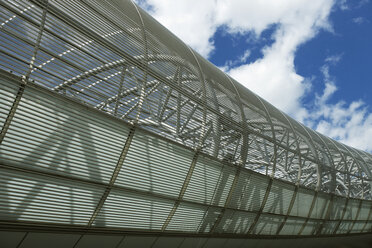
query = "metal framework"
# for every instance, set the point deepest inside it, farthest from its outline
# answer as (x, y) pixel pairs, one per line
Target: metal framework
(98, 95)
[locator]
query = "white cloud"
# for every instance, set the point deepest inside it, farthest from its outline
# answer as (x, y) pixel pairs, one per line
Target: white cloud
(275, 72)
(359, 20)
(193, 21)
(362, 2)
(329, 89)
(343, 5)
(346, 5)
(333, 59)
(245, 56)
(349, 123)
(330, 86)
(240, 60)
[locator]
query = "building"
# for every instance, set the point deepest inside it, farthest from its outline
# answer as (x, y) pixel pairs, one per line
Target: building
(114, 133)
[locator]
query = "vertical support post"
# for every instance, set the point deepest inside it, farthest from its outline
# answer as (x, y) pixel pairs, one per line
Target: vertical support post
(182, 191)
(356, 216)
(368, 219)
(342, 216)
(228, 199)
(114, 176)
(251, 228)
(289, 209)
(326, 217)
(310, 212)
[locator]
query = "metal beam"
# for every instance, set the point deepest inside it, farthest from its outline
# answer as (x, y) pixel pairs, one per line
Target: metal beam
(114, 175)
(182, 191)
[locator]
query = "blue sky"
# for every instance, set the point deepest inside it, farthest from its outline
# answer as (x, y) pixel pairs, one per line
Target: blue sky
(352, 41)
(317, 54)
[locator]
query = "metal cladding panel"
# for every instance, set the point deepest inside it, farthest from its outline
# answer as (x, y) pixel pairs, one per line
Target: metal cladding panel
(209, 220)
(133, 211)
(311, 227)
(268, 225)
(329, 227)
(224, 185)
(7, 96)
(57, 136)
(368, 226)
(320, 206)
(352, 209)
(240, 196)
(155, 165)
(358, 227)
(292, 227)
(249, 195)
(302, 203)
(279, 198)
(235, 222)
(32, 197)
(337, 208)
(365, 210)
(187, 218)
(344, 227)
(204, 180)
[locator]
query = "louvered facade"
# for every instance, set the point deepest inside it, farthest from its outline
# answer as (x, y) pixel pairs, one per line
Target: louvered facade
(114, 133)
